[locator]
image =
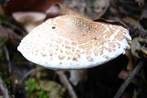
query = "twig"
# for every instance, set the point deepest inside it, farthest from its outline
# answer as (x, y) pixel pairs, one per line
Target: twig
(67, 84)
(8, 59)
(128, 80)
(30, 72)
(3, 89)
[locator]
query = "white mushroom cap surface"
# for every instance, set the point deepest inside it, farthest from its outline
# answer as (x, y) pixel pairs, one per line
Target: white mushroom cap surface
(74, 42)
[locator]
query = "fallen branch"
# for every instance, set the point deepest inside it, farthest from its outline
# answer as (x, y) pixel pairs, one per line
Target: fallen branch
(30, 72)
(67, 84)
(3, 89)
(128, 80)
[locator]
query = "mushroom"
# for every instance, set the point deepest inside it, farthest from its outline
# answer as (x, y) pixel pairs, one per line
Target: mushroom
(74, 42)
(29, 19)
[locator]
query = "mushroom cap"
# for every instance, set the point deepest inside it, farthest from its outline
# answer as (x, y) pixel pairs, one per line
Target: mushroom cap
(24, 17)
(29, 19)
(74, 42)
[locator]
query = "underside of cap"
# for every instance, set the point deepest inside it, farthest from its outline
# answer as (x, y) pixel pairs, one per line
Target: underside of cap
(73, 42)
(24, 17)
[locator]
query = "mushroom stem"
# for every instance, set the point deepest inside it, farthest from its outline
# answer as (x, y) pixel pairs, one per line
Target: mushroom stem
(67, 84)
(77, 75)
